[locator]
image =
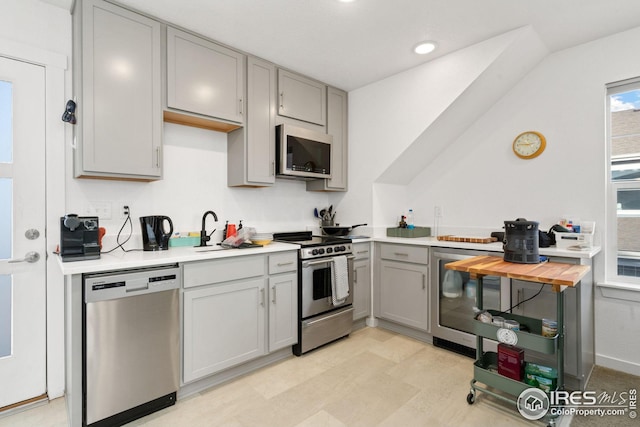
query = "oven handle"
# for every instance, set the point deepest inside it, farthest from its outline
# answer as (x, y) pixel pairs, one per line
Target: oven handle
(306, 264)
(307, 323)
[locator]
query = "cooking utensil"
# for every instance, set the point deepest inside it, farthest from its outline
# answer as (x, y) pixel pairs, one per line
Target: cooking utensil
(315, 213)
(339, 231)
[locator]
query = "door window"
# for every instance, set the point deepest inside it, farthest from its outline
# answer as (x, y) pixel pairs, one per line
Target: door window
(6, 209)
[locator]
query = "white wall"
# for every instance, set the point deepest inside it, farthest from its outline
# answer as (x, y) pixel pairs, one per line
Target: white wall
(479, 182)
(195, 181)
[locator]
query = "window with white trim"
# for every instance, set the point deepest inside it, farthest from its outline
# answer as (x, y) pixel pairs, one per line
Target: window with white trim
(623, 200)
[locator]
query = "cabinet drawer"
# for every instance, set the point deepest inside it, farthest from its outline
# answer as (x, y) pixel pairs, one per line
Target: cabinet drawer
(407, 253)
(362, 250)
(222, 270)
(280, 263)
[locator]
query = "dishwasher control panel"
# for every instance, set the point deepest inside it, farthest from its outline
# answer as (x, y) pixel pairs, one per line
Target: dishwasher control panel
(126, 283)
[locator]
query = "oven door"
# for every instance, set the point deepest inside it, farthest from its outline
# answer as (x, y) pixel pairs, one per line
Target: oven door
(315, 286)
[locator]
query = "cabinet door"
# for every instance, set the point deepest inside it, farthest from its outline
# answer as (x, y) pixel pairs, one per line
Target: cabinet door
(223, 326)
(251, 149)
(361, 288)
(337, 127)
(404, 297)
(120, 110)
(283, 310)
(302, 98)
(544, 305)
(261, 126)
(203, 77)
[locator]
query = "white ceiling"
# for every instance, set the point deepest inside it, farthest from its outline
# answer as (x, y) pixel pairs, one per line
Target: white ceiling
(350, 45)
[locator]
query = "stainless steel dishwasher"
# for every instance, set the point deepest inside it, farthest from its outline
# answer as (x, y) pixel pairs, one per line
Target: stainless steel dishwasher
(131, 352)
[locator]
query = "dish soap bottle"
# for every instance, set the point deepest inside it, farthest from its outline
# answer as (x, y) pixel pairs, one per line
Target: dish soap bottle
(410, 223)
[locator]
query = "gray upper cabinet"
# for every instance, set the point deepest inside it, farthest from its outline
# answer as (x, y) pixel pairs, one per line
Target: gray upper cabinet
(301, 98)
(204, 78)
(337, 116)
(251, 149)
(117, 84)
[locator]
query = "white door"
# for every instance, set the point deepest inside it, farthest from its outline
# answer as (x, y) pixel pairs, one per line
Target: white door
(22, 237)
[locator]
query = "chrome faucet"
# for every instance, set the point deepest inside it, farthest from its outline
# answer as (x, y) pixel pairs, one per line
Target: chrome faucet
(204, 238)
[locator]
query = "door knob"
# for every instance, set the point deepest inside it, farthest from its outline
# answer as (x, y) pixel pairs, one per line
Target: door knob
(29, 257)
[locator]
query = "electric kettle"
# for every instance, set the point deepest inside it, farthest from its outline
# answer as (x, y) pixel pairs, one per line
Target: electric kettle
(154, 235)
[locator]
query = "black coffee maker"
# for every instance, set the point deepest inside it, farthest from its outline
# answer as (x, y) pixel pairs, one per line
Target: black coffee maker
(154, 235)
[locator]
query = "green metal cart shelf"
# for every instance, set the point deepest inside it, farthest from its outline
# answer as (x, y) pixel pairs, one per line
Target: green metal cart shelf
(485, 369)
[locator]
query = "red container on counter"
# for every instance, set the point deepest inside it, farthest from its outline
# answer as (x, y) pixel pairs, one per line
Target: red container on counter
(511, 361)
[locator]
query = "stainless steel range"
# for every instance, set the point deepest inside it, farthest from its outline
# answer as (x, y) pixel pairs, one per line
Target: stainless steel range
(321, 318)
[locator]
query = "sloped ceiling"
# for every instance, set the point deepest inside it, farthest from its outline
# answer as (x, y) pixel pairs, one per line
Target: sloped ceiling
(515, 54)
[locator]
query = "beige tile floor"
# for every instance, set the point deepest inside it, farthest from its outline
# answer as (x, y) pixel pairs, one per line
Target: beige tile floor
(373, 378)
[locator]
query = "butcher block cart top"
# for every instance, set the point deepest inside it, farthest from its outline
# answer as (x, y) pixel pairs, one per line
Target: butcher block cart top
(559, 276)
(552, 273)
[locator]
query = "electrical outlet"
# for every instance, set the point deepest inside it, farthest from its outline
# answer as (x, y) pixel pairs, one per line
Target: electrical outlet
(437, 211)
(100, 209)
(125, 212)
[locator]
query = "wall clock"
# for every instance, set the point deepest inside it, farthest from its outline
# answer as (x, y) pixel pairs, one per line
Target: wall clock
(529, 144)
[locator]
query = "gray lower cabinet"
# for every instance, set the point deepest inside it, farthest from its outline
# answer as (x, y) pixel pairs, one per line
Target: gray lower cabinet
(236, 310)
(361, 281)
(301, 98)
(579, 326)
(223, 326)
(204, 78)
(403, 285)
(337, 118)
(283, 310)
(283, 300)
(117, 85)
(251, 149)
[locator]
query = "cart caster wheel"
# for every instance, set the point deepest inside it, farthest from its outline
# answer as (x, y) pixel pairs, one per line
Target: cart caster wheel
(471, 397)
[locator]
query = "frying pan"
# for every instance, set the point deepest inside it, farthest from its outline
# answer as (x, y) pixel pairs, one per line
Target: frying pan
(339, 231)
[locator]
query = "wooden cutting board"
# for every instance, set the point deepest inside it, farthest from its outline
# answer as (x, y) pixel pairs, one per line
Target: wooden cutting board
(451, 238)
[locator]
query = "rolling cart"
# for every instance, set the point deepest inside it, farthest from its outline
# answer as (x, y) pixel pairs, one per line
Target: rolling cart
(559, 276)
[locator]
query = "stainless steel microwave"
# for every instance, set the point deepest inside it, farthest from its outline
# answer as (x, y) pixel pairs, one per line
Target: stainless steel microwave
(302, 152)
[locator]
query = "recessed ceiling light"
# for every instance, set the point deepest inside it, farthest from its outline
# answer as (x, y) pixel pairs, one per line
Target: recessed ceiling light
(346, 1)
(424, 48)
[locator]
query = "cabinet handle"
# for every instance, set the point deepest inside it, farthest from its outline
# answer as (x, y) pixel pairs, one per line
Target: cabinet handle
(273, 168)
(362, 252)
(158, 157)
(282, 264)
(262, 297)
(240, 106)
(355, 276)
(282, 100)
(273, 289)
(520, 298)
(424, 281)
(400, 254)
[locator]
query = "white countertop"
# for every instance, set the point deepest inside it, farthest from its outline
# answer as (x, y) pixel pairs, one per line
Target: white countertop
(490, 247)
(119, 260)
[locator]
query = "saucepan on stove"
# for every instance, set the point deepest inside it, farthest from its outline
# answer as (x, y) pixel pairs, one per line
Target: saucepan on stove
(336, 230)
